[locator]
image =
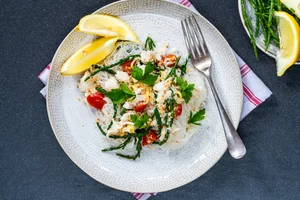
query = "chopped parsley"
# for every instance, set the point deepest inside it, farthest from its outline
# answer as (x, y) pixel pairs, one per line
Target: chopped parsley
(186, 89)
(139, 121)
(197, 117)
(145, 77)
(118, 96)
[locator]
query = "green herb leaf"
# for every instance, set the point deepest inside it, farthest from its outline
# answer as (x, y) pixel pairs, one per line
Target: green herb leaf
(173, 70)
(137, 73)
(183, 67)
(139, 133)
(107, 68)
(101, 130)
(126, 89)
(139, 121)
(101, 90)
(179, 82)
(149, 68)
(158, 119)
(101, 69)
(118, 96)
(197, 117)
(115, 110)
(121, 146)
(111, 123)
(115, 114)
(146, 78)
(123, 111)
(186, 89)
(149, 80)
(149, 44)
(138, 149)
(170, 105)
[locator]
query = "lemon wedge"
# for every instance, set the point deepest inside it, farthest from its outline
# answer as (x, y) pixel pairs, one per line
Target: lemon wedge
(107, 26)
(88, 55)
(292, 5)
(289, 34)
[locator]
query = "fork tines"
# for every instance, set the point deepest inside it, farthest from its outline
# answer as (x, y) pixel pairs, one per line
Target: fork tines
(193, 37)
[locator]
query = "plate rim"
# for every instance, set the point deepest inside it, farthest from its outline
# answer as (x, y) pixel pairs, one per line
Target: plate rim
(262, 48)
(222, 149)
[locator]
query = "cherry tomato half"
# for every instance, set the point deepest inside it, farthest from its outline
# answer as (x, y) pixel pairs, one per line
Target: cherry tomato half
(149, 138)
(126, 66)
(178, 110)
(169, 60)
(140, 107)
(96, 100)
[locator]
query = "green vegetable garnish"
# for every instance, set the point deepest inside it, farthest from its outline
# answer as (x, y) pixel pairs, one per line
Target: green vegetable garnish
(107, 68)
(137, 141)
(186, 89)
(170, 107)
(158, 119)
(101, 130)
(183, 67)
(197, 117)
(111, 123)
(121, 146)
(139, 121)
(249, 28)
(138, 149)
(149, 44)
(146, 77)
(118, 96)
(265, 21)
(127, 90)
(173, 70)
(114, 116)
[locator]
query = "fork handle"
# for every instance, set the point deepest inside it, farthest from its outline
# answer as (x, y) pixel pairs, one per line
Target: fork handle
(236, 146)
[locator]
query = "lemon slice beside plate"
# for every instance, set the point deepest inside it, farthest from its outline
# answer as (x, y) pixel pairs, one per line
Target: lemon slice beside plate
(107, 26)
(88, 55)
(289, 33)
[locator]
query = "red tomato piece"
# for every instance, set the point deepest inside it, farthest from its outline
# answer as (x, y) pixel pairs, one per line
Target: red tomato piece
(140, 107)
(178, 110)
(96, 100)
(169, 60)
(149, 138)
(126, 66)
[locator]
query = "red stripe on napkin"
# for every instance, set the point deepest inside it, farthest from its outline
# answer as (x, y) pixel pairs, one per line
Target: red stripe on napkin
(249, 94)
(47, 68)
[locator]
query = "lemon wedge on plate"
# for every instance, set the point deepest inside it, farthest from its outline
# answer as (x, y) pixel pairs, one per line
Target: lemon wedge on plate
(107, 26)
(292, 5)
(88, 55)
(289, 34)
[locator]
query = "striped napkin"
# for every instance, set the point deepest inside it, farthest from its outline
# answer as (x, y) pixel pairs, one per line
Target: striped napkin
(254, 90)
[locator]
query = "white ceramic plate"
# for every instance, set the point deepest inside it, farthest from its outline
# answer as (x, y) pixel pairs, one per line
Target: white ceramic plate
(260, 39)
(74, 124)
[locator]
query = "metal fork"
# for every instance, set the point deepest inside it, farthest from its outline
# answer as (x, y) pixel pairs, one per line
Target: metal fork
(202, 61)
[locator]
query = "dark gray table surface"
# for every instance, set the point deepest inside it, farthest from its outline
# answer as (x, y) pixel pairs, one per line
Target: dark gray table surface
(34, 166)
